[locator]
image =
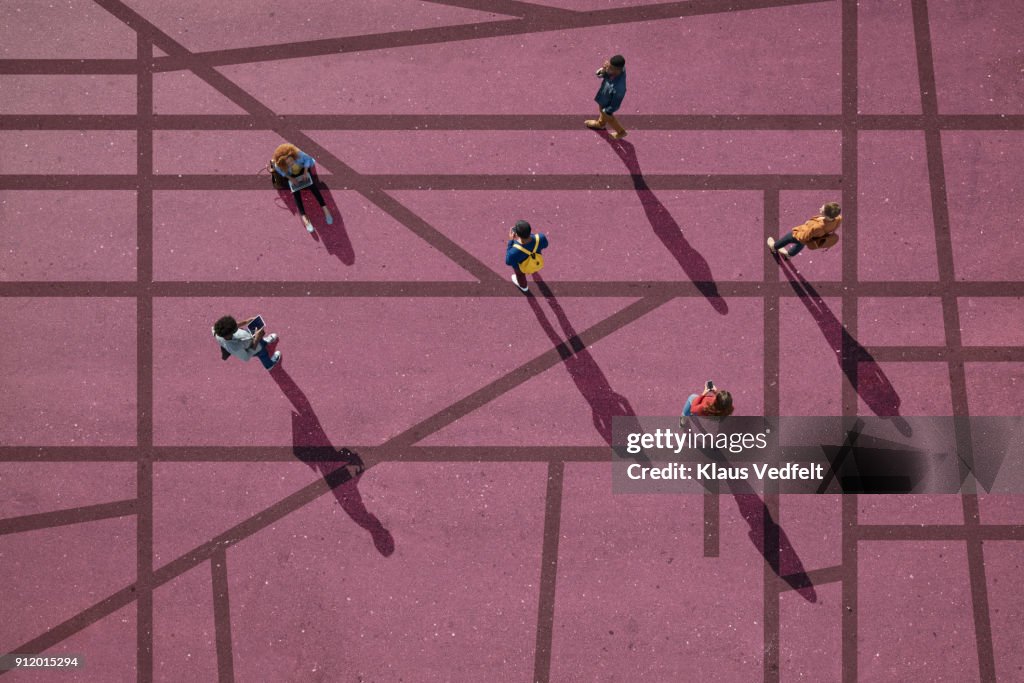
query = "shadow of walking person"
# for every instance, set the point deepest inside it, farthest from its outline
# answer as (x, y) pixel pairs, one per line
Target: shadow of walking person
(765, 533)
(667, 229)
(334, 237)
(861, 370)
(605, 403)
(340, 469)
(772, 542)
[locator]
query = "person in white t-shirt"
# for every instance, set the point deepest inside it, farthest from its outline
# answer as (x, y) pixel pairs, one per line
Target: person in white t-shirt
(235, 338)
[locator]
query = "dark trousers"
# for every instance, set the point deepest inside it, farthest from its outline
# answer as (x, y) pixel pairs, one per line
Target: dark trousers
(520, 278)
(787, 240)
(316, 193)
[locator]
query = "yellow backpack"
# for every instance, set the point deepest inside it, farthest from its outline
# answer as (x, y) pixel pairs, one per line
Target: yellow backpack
(534, 261)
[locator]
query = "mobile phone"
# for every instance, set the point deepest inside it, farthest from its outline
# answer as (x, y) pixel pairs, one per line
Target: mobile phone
(709, 385)
(256, 324)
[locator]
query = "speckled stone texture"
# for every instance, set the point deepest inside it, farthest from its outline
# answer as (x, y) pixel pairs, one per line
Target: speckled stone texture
(420, 492)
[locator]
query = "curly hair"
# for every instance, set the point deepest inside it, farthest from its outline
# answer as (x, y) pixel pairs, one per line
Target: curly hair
(225, 327)
(283, 152)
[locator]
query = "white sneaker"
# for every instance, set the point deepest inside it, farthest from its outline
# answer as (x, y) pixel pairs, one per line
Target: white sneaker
(784, 252)
(515, 281)
(309, 226)
(276, 358)
(328, 216)
(771, 245)
(270, 338)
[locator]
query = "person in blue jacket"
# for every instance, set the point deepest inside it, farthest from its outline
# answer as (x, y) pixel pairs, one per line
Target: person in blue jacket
(520, 246)
(609, 96)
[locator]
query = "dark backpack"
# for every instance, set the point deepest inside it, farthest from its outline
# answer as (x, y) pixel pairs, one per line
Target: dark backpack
(279, 181)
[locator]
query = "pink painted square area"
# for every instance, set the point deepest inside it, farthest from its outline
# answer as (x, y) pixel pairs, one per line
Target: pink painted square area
(895, 230)
(905, 388)
(50, 152)
(63, 30)
(105, 647)
(74, 381)
(1004, 562)
(914, 617)
(55, 235)
(1005, 508)
(456, 597)
(977, 55)
(900, 321)
(183, 92)
(991, 321)
(995, 388)
(813, 525)
(184, 640)
(887, 81)
(983, 168)
(637, 599)
(64, 94)
(910, 509)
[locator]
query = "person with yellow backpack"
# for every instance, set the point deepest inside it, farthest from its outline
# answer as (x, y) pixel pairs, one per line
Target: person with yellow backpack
(523, 253)
(819, 232)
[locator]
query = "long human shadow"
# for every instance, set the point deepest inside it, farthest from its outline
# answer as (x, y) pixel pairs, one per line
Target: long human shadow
(334, 237)
(340, 468)
(667, 229)
(605, 403)
(765, 533)
(864, 374)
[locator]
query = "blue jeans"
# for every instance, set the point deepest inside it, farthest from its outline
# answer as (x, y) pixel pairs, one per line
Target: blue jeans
(264, 356)
(689, 405)
(787, 240)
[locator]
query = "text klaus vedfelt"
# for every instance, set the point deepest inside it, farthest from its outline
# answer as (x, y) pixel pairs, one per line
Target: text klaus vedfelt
(666, 439)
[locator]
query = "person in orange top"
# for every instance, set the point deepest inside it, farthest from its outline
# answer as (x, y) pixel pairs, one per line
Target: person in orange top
(818, 232)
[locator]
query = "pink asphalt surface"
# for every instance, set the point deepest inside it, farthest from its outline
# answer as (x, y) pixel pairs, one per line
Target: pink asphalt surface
(173, 517)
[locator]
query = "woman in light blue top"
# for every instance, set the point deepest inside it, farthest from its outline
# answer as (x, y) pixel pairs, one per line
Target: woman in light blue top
(292, 163)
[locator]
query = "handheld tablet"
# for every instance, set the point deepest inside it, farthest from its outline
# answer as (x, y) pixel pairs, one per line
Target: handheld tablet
(256, 324)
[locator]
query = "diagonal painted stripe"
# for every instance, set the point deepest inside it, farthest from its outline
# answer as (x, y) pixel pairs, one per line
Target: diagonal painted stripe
(79, 515)
(524, 372)
(488, 29)
(343, 174)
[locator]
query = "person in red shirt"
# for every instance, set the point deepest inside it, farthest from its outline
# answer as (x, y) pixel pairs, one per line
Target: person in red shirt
(713, 402)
